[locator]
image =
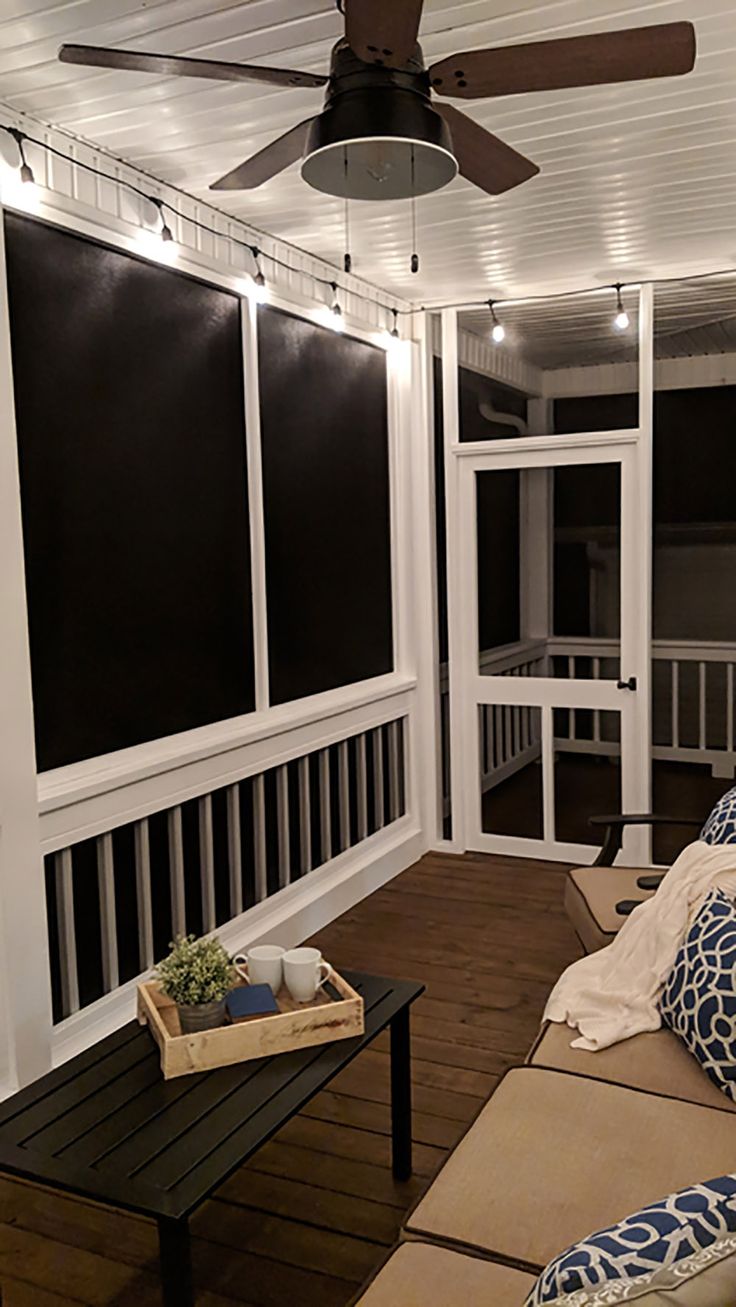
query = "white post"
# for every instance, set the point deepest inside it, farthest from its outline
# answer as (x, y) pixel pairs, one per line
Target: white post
(249, 321)
(461, 747)
(638, 791)
(426, 745)
(25, 988)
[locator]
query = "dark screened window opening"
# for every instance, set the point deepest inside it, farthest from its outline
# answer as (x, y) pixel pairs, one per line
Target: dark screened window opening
(324, 425)
(499, 578)
(130, 415)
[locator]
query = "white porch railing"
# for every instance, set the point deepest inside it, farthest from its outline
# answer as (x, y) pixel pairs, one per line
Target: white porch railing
(692, 708)
(242, 840)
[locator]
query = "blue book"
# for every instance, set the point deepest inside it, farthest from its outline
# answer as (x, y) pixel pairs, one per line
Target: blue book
(251, 1001)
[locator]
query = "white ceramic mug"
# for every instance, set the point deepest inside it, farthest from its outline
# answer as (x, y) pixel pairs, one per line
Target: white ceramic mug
(262, 965)
(305, 973)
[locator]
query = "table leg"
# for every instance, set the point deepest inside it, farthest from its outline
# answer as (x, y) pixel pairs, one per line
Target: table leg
(401, 1095)
(175, 1254)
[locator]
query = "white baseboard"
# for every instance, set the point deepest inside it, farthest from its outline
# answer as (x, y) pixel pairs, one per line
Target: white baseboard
(286, 918)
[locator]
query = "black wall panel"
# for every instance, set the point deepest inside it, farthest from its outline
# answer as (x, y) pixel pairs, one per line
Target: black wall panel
(324, 429)
(130, 411)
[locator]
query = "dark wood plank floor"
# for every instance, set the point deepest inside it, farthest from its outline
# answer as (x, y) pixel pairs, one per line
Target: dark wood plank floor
(313, 1213)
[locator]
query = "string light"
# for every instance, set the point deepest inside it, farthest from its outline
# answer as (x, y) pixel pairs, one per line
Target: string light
(26, 171)
(622, 321)
(332, 316)
(258, 290)
(498, 332)
(21, 197)
(165, 233)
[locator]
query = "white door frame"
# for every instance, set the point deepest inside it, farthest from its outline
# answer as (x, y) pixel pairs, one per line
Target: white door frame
(547, 692)
(636, 554)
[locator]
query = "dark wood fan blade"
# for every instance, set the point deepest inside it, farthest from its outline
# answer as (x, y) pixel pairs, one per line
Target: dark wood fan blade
(666, 50)
(170, 65)
(282, 152)
(383, 31)
(482, 158)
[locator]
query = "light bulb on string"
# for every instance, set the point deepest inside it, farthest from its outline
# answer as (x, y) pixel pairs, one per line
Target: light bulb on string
(257, 287)
(165, 233)
(19, 187)
(622, 321)
(331, 316)
(498, 332)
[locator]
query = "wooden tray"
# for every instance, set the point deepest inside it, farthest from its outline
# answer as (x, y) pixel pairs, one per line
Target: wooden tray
(296, 1025)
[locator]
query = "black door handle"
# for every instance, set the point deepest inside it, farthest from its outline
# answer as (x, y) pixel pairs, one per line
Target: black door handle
(627, 685)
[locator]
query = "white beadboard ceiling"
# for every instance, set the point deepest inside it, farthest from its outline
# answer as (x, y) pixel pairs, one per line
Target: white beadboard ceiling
(692, 318)
(637, 181)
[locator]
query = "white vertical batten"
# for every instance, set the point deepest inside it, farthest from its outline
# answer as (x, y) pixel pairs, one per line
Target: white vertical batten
(394, 768)
(361, 776)
(108, 916)
(207, 862)
(234, 850)
(25, 993)
(305, 816)
(143, 894)
(249, 319)
(176, 872)
(325, 805)
(282, 824)
(259, 837)
(64, 872)
(343, 783)
(379, 807)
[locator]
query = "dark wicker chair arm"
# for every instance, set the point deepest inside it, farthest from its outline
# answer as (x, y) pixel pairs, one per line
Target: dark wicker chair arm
(615, 824)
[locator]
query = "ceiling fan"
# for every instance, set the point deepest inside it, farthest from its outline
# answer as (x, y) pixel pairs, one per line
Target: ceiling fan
(381, 135)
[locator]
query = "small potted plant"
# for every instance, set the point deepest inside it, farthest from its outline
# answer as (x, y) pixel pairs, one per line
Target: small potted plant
(198, 975)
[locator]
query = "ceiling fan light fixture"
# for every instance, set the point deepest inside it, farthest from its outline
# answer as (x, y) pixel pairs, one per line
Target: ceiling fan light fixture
(363, 149)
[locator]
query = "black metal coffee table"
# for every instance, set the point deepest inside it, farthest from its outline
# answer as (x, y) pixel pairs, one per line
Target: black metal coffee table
(107, 1126)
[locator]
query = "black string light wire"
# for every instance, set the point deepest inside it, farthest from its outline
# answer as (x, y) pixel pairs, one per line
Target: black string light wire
(259, 278)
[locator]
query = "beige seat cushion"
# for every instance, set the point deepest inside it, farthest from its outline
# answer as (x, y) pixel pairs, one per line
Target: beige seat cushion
(658, 1062)
(553, 1157)
(418, 1275)
(591, 895)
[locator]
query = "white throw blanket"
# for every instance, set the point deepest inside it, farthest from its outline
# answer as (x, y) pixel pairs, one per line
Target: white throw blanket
(613, 994)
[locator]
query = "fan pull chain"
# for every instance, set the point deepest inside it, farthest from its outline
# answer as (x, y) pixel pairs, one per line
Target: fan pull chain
(414, 256)
(348, 259)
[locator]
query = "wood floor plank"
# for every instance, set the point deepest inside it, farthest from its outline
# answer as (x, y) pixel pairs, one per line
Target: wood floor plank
(361, 1179)
(326, 1209)
(313, 1212)
(366, 1115)
(356, 1145)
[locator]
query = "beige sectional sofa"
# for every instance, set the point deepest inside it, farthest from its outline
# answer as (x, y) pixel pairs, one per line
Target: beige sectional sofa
(566, 1145)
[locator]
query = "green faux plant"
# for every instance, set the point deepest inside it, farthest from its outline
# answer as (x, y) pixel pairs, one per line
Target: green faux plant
(196, 971)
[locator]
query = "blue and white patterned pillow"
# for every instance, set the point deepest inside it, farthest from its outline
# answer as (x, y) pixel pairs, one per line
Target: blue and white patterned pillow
(720, 827)
(699, 997)
(650, 1241)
